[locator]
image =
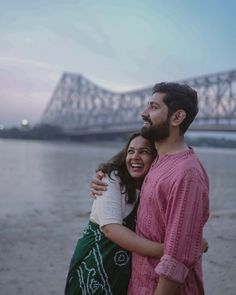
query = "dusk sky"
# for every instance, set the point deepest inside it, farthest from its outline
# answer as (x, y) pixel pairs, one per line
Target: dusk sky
(120, 45)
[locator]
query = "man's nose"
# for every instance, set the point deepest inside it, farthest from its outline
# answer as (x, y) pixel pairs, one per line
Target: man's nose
(144, 113)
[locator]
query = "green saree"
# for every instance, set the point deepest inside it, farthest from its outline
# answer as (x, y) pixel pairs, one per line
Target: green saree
(98, 265)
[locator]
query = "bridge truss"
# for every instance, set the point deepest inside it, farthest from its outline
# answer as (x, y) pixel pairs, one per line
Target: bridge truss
(80, 107)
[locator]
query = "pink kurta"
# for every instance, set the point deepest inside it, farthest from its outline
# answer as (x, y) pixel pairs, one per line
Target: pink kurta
(174, 207)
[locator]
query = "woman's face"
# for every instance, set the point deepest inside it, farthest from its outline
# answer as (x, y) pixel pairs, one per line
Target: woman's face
(139, 157)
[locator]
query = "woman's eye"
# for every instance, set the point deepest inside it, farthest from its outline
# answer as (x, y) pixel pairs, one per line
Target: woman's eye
(129, 151)
(145, 152)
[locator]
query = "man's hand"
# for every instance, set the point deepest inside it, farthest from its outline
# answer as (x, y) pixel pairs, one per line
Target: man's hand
(97, 186)
(165, 287)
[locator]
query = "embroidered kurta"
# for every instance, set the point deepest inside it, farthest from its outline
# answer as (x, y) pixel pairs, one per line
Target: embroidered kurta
(174, 206)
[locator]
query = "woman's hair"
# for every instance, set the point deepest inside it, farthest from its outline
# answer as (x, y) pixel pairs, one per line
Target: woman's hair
(118, 165)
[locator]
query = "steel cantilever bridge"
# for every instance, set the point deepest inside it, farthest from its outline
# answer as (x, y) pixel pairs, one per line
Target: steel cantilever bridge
(80, 107)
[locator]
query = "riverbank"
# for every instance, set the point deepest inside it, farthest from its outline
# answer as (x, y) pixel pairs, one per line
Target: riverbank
(52, 133)
(35, 249)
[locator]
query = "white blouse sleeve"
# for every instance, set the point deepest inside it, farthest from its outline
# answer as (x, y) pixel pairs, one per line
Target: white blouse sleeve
(108, 207)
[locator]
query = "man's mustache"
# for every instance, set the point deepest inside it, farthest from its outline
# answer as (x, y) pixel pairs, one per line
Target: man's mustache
(146, 119)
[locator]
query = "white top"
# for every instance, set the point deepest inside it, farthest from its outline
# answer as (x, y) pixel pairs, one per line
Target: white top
(111, 207)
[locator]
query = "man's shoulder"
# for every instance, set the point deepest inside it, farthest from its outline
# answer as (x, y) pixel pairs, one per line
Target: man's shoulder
(189, 161)
(192, 170)
(189, 166)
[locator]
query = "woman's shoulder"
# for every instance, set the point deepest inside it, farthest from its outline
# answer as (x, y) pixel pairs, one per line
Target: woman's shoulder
(113, 178)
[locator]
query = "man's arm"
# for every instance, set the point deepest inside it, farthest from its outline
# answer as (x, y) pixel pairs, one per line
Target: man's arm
(165, 287)
(168, 287)
(97, 186)
(185, 217)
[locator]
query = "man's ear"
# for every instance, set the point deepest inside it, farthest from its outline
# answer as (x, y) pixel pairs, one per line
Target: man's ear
(178, 117)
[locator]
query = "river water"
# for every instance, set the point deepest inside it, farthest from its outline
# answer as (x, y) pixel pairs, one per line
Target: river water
(44, 203)
(36, 174)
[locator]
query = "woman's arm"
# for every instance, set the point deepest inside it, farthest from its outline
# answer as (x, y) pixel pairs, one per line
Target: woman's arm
(123, 236)
(108, 209)
(129, 240)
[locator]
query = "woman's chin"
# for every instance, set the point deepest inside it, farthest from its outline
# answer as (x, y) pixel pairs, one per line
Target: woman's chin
(137, 175)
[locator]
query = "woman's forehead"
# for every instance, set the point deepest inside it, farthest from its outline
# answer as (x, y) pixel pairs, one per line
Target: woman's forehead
(139, 142)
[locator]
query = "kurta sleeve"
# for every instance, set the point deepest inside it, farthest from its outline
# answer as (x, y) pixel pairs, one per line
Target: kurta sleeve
(184, 220)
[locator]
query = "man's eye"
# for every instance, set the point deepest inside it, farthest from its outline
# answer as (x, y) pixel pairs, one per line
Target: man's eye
(153, 107)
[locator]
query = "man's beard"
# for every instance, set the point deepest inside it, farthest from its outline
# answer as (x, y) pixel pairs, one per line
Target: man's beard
(156, 133)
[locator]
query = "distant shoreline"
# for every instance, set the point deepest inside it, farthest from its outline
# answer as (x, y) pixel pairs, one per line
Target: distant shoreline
(51, 133)
(211, 142)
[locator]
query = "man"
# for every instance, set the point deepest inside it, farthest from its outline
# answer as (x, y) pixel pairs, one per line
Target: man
(174, 201)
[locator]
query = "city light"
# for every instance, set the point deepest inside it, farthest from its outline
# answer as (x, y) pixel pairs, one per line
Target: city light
(24, 123)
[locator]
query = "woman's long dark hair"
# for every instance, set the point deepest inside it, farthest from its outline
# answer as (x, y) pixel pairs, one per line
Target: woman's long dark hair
(118, 165)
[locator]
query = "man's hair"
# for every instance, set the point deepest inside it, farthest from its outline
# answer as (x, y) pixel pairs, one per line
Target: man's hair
(179, 96)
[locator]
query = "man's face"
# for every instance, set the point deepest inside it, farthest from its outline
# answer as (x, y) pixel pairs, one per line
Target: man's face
(156, 123)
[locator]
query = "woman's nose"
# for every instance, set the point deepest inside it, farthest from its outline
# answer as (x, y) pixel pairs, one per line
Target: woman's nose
(135, 155)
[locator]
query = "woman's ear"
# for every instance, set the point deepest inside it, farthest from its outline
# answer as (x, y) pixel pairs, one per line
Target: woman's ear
(178, 117)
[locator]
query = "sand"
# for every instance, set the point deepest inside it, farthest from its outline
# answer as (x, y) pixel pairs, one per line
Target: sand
(36, 247)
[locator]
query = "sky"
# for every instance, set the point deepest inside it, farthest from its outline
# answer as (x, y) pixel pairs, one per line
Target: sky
(120, 45)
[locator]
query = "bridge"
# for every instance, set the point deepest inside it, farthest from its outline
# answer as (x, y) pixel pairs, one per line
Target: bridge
(80, 107)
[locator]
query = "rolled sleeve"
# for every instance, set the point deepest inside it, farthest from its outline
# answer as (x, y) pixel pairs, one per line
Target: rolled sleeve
(172, 269)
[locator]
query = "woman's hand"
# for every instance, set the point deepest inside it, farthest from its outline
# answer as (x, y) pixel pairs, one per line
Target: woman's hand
(205, 245)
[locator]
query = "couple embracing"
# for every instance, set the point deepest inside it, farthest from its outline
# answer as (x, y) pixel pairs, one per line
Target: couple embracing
(161, 179)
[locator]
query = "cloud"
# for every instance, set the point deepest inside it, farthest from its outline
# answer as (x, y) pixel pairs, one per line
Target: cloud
(13, 61)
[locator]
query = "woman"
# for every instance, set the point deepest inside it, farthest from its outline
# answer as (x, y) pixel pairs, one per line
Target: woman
(101, 263)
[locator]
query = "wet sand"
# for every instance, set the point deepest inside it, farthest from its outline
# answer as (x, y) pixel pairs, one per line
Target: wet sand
(35, 249)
